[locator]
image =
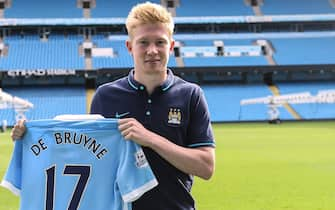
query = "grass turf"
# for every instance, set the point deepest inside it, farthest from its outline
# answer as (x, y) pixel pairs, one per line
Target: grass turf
(259, 166)
(271, 167)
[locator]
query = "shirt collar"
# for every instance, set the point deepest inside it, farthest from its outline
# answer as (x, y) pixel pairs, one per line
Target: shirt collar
(138, 86)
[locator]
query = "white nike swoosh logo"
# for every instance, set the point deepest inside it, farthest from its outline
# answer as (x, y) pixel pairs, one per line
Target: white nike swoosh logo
(117, 115)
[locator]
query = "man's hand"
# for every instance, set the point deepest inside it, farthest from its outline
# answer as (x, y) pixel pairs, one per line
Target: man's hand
(18, 130)
(131, 129)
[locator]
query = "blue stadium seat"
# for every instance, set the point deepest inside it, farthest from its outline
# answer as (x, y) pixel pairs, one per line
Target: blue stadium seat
(226, 61)
(108, 8)
(213, 8)
(289, 7)
(122, 58)
(43, 9)
(224, 102)
(291, 51)
(30, 52)
(48, 102)
(310, 111)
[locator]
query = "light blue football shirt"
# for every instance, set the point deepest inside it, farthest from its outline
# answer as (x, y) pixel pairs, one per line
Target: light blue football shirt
(77, 164)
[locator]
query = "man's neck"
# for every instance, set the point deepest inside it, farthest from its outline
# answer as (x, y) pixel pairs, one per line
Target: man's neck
(151, 81)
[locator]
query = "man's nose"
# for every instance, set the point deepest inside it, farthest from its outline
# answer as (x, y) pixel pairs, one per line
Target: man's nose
(152, 49)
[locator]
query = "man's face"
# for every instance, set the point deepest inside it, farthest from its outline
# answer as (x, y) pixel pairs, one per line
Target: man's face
(150, 46)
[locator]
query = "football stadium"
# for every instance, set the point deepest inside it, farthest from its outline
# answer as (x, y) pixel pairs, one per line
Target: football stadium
(266, 67)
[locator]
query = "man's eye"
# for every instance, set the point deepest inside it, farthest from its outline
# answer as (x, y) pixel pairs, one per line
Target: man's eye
(161, 42)
(143, 42)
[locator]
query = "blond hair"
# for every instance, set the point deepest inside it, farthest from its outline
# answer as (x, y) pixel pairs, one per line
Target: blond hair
(148, 12)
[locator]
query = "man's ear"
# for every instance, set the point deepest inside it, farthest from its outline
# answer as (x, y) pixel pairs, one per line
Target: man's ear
(172, 45)
(128, 45)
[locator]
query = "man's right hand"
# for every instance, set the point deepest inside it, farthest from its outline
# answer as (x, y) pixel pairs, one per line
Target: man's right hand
(18, 130)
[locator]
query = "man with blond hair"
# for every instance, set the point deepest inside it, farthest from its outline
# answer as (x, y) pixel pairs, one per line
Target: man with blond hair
(164, 114)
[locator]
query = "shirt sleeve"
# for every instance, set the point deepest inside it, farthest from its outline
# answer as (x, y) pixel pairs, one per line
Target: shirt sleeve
(96, 104)
(134, 176)
(200, 130)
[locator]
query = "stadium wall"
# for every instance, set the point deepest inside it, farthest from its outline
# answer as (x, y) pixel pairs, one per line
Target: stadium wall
(230, 76)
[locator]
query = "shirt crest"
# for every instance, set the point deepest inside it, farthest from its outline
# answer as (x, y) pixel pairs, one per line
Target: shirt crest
(140, 158)
(174, 116)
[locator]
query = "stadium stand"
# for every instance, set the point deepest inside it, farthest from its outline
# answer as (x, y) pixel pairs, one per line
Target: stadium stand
(48, 101)
(121, 58)
(213, 8)
(61, 51)
(268, 47)
(29, 52)
(39, 9)
(287, 7)
(103, 9)
(114, 8)
(304, 50)
(230, 95)
(310, 110)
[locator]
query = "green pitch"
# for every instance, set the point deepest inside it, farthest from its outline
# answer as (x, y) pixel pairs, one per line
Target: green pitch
(259, 166)
(8, 201)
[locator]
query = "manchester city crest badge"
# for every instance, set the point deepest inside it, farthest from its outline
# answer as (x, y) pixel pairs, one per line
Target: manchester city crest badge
(174, 116)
